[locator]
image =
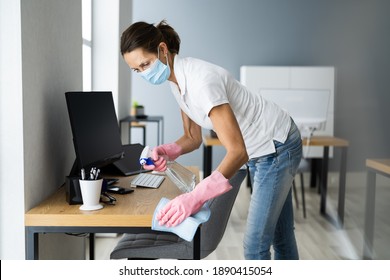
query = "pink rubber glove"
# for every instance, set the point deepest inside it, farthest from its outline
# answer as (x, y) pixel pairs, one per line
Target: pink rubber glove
(161, 154)
(183, 206)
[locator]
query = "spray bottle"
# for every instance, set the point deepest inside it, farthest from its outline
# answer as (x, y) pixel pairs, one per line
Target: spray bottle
(183, 178)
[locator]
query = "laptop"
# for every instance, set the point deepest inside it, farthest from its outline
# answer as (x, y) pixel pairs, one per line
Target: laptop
(129, 164)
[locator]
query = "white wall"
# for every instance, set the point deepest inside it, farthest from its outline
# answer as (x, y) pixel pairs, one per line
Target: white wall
(11, 133)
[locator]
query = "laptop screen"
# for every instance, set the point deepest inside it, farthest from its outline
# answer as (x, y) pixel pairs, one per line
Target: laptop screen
(129, 164)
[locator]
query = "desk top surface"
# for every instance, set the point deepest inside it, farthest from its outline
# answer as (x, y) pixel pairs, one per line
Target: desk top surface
(147, 118)
(131, 210)
(382, 165)
(314, 141)
(325, 141)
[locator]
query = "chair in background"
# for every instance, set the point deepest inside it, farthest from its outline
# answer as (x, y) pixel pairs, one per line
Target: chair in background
(161, 245)
(304, 166)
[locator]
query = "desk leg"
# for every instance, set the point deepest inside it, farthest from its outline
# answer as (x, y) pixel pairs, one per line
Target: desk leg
(370, 216)
(196, 254)
(313, 172)
(144, 135)
(343, 172)
(207, 160)
(162, 132)
(324, 180)
(129, 134)
(32, 252)
(91, 246)
(158, 133)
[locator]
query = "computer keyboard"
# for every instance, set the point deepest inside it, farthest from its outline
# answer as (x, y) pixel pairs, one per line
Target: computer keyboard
(147, 180)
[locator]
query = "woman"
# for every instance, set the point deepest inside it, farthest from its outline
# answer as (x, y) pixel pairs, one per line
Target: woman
(252, 130)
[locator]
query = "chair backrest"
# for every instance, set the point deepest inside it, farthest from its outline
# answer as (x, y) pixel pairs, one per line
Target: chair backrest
(213, 230)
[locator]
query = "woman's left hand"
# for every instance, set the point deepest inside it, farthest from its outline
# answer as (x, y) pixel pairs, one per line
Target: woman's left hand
(183, 206)
(178, 209)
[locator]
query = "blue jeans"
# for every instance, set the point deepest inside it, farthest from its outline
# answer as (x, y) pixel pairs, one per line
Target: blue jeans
(271, 218)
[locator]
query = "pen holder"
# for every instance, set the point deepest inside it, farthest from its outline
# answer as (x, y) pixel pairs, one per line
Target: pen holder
(90, 192)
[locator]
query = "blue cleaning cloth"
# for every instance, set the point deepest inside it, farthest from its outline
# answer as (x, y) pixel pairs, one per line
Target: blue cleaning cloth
(188, 227)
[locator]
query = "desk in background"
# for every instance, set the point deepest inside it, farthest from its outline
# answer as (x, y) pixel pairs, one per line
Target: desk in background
(324, 141)
(157, 119)
(132, 213)
(374, 167)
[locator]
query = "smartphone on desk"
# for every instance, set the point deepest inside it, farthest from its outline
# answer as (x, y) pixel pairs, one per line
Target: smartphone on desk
(118, 190)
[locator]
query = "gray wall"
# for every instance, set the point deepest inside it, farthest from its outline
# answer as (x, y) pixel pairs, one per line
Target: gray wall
(350, 35)
(51, 65)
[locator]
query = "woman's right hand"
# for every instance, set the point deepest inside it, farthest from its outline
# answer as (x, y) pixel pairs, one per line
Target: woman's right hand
(161, 154)
(158, 165)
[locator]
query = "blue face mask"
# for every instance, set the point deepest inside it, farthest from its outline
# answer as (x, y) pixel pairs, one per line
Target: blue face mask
(158, 72)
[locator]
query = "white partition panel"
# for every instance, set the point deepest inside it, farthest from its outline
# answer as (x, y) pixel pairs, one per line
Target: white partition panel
(266, 79)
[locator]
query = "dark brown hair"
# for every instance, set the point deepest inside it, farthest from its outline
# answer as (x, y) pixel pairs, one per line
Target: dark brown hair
(147, 36)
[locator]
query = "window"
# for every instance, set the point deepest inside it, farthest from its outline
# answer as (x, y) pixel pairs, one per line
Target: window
(86, 16)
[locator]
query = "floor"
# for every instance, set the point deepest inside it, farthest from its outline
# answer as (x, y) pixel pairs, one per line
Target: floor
(317, 237)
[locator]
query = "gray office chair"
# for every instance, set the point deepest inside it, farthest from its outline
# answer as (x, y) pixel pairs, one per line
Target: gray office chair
(161, 245)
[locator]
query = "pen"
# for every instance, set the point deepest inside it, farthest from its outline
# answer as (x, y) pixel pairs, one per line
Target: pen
(92, 173)
(82, 174)
(97, 174)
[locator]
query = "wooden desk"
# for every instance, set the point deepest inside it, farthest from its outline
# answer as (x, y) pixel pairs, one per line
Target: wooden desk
(323, 141)
(132, 213)
(374, 167)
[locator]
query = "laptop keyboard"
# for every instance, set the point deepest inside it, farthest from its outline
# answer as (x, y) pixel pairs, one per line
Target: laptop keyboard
(147, 180)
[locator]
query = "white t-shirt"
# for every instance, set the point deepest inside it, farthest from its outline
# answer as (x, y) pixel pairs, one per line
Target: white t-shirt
(204, 85)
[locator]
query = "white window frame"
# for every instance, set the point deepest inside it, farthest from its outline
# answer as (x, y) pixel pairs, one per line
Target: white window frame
(86, 19)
